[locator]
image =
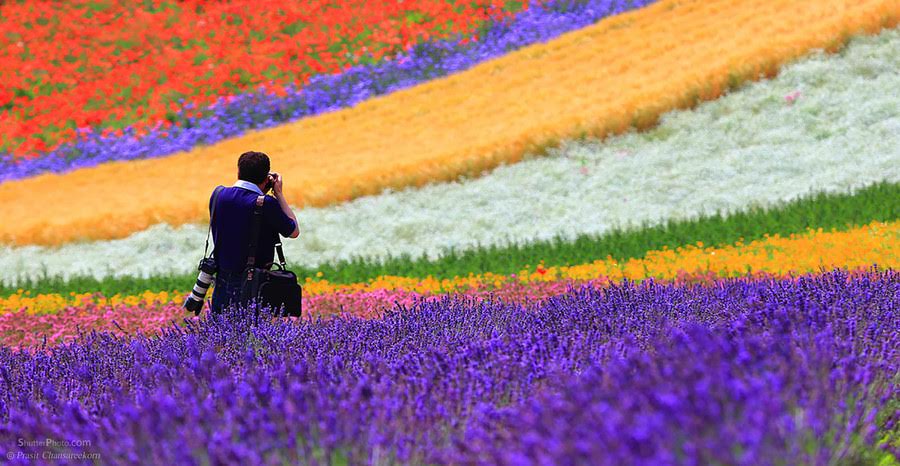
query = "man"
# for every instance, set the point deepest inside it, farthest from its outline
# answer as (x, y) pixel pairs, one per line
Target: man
(232, 223)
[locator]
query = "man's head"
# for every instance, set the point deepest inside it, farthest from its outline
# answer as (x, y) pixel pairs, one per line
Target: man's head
(253, 167)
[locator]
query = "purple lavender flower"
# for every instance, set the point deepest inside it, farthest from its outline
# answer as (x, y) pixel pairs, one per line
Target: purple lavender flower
(796, 371)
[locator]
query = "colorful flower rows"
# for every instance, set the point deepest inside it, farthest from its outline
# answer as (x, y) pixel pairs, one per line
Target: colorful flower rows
(877, 243)
(52, 320)
(466, 123)
(104, 66)
(720, 149)
(55, 319)
(267, 106)
(671, 343)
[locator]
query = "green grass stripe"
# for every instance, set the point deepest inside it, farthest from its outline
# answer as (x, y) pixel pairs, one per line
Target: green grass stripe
(824, 210)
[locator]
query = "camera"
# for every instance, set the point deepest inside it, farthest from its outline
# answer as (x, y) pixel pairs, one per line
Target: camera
(194, 301)
(270, 182)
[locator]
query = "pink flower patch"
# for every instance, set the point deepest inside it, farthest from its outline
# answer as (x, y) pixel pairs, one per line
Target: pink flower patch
(792, 97)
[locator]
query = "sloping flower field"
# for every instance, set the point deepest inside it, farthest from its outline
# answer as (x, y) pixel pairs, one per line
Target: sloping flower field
(556, 232)
(842, 133)
(494, 112)
(656, 374)
(28, 320)
(192, 123)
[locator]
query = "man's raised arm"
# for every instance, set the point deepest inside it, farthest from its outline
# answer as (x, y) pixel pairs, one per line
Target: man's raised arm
(276, 188)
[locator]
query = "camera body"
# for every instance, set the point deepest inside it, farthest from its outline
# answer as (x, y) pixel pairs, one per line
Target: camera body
(194, 301)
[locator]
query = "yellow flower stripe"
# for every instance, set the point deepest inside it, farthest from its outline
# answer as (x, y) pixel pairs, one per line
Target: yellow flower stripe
(624, 71)
(876, 243)
(52, 302)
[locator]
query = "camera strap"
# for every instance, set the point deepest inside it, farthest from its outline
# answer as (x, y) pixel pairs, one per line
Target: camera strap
(254, 230)
(212, 212)
(254, 236)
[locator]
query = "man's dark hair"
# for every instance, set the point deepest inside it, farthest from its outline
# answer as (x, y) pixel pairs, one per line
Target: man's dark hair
(253, 167)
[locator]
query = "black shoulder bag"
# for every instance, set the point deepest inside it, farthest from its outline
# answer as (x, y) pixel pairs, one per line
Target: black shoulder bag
(277, 289)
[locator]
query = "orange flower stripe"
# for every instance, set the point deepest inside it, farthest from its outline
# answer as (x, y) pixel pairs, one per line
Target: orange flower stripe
(876, 243)
(622, 72)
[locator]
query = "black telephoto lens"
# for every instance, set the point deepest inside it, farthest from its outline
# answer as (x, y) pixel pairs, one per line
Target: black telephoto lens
(194, 301)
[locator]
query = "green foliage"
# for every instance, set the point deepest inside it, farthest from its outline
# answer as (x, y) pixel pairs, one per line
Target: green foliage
(827, 211)
(292, 29)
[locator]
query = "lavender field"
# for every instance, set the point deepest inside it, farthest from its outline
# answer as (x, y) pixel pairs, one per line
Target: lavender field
(793, 371)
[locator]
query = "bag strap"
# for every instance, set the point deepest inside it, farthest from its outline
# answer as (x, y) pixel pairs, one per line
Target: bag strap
(212, 212)
(254, 230)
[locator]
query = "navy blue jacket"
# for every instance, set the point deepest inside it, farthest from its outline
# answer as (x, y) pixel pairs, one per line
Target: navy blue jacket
(231, 228)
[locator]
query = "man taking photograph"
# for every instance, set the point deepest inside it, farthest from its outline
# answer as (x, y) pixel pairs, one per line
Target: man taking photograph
(232, 221)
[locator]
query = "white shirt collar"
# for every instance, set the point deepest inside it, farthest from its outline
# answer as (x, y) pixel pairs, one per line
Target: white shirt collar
(248, 186)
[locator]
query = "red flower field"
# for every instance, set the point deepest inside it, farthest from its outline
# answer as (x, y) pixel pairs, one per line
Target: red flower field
(73, 65)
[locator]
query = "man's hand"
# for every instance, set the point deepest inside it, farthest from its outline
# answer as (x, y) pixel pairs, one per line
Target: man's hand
(276, 187)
